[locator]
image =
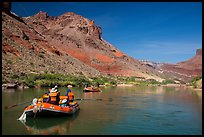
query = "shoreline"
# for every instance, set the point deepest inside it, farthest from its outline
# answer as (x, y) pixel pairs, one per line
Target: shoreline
(16, 86)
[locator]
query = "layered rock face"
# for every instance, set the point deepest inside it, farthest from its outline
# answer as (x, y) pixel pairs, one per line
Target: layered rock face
(79, 37)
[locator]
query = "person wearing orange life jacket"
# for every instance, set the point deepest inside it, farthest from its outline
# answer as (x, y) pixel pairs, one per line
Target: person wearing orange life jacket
(54, 96)
(70, 95)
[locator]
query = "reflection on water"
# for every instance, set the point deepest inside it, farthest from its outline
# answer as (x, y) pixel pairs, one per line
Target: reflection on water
(132, 110)
(47, 126)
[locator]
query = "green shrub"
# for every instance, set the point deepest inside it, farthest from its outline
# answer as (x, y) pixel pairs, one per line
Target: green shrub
(3, 79)
(14, 76)
(152, 81)
(41, 55)
(194, 81)
(168, 81)
(113, 82)
(32, 64)
(8, 61)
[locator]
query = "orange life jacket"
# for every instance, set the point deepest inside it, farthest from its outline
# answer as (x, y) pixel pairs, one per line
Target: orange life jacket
(71, 95)
(53, 96)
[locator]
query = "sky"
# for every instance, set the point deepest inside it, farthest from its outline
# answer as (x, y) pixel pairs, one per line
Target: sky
(165, 32)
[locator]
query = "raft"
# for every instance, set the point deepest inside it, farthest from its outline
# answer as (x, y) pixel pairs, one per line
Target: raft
(43, 109)
(90, 89)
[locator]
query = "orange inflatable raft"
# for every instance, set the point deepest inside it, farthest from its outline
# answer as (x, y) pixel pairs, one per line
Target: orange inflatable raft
(41, 108)
(90, 89)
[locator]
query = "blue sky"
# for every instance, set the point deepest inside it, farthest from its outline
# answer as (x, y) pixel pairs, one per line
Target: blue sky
(157, 31)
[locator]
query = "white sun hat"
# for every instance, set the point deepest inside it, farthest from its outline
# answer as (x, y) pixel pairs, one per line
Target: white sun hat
(53, 90)
(64, 100)
(69, 86)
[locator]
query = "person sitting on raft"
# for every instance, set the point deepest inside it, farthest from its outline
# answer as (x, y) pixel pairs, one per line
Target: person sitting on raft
(54, 96)
(70, 95)
(45, 96)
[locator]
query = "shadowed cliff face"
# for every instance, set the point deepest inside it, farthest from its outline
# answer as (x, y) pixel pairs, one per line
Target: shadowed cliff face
(68, 44)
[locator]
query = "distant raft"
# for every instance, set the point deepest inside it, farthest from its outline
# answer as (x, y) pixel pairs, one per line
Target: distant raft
(92, 89)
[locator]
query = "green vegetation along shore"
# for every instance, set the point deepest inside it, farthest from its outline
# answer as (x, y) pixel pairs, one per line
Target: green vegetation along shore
(49, 80)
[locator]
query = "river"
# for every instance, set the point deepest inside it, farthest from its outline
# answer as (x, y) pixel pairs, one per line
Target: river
(137, 110)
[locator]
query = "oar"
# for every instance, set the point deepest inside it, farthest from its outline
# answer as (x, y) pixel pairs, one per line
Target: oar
(100, 99)
(7, 107)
